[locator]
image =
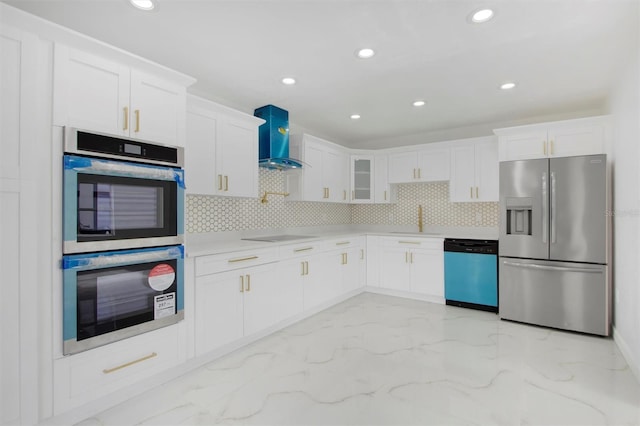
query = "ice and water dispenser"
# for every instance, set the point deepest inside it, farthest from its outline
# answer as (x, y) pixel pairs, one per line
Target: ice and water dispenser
(519, 215)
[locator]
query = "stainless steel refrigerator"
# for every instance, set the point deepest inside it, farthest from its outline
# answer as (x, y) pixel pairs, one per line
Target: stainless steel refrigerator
(555, 243)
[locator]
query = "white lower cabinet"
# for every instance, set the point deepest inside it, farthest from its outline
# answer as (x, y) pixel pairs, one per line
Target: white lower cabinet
(413, 265)
(237, 303)
(87, 376)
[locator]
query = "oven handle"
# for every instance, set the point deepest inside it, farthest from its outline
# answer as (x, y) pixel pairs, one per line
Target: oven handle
(106, 259)
(121, 168)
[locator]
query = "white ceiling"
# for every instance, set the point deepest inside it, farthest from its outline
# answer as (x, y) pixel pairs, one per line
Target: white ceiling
(563, 54)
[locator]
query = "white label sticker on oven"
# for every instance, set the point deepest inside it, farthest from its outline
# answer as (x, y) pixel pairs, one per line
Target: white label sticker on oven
(165, 305)
(161, 277)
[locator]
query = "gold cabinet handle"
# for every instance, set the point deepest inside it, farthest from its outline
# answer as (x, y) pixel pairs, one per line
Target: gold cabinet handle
(414, 173)
(328, 192)
(302, 249)
(126, 119)
(385, 195)
(220, 182)
(471, 192)
(419, 173)
(306, 268)
(241, 283)
(137, 113)
(477, 196)
(544, 147)
(341, 243)
(406, 257)
(409, 242)
(344, 194)
(551, 145)
(411, 258)
(242, 259)
(302, 264)
(248, 288)
(226, 183)
(361, 254)
(130, 363)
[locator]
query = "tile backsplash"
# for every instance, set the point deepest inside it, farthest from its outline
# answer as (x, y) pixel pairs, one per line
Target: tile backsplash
(216, 214)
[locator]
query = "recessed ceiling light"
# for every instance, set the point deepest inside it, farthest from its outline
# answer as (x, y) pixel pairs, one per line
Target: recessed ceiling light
(355, 116)
(482, 15)
(419, 103)
(288, 81)
(508, 85)
(143, 4)
(365, 53)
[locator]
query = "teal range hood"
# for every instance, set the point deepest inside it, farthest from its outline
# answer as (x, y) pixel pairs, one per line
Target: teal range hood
(273, 138)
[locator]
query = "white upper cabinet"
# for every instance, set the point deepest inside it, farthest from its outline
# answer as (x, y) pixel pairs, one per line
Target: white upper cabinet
(430, 164)
(95, 93)
(221, 155)
(383, 192)
(362, 179)
(474, 170)
(325, 172)
(584, 136)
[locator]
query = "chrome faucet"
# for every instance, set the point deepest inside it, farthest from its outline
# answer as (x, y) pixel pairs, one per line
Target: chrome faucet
(419, 217)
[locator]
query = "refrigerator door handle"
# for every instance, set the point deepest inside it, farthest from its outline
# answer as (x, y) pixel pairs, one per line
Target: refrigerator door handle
(552, 268)
(545, 208)
(553, 208)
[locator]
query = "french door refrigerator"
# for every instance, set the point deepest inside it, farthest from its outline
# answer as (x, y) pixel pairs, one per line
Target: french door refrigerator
(554, 243)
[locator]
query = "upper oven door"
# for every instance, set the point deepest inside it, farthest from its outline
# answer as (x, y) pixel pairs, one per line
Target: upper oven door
(112, 205)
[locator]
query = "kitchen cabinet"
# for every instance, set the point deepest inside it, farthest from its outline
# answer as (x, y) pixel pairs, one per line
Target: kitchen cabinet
(94, 93)
(362, 179)
(325, 173)
(414, 265)
(24, 219)
(313, 269)
(96, 373)
(584, 136)
(350, 261)
(384, 193)
(222, 150)
(474, 171)
(430, 164)
(236, 295)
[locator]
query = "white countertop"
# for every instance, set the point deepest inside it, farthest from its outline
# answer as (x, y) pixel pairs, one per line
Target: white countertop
(227, 242)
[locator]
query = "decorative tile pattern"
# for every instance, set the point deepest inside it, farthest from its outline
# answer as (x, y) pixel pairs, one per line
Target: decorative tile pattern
(437, 210)
(216, 214)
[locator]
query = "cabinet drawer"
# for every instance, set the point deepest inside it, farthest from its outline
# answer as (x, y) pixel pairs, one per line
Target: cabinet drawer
(90, 375)
(215, 263)
(413, 242)
(301, 249)
(343, 243)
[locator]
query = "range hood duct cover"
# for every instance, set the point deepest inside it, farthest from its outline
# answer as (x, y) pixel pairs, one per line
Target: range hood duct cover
(273, 138)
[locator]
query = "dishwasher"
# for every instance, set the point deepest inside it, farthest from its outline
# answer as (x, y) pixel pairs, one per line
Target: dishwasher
(471, 273)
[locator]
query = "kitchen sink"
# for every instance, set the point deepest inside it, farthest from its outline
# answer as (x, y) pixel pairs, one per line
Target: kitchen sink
(278, 238)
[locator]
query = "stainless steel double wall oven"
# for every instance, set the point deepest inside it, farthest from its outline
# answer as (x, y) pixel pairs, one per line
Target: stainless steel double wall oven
(123, 230)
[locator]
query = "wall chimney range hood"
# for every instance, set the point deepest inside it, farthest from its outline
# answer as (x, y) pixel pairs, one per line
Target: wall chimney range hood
(273, 138)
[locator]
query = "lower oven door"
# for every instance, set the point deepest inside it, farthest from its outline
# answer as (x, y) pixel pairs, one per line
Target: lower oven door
(111, 296)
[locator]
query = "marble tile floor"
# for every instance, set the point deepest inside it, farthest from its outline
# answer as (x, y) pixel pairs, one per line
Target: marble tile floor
(380, 360)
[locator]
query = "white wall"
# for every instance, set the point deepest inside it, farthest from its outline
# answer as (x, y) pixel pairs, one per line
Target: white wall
(625, 108)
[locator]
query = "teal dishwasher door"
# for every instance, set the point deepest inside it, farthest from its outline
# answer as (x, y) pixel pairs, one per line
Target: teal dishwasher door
(471, 279)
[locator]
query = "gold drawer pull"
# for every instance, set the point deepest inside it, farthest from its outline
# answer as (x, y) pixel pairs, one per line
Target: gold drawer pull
(409, 242)
(130, 363)
(341, 243)
(303, 249)
(242, 259)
